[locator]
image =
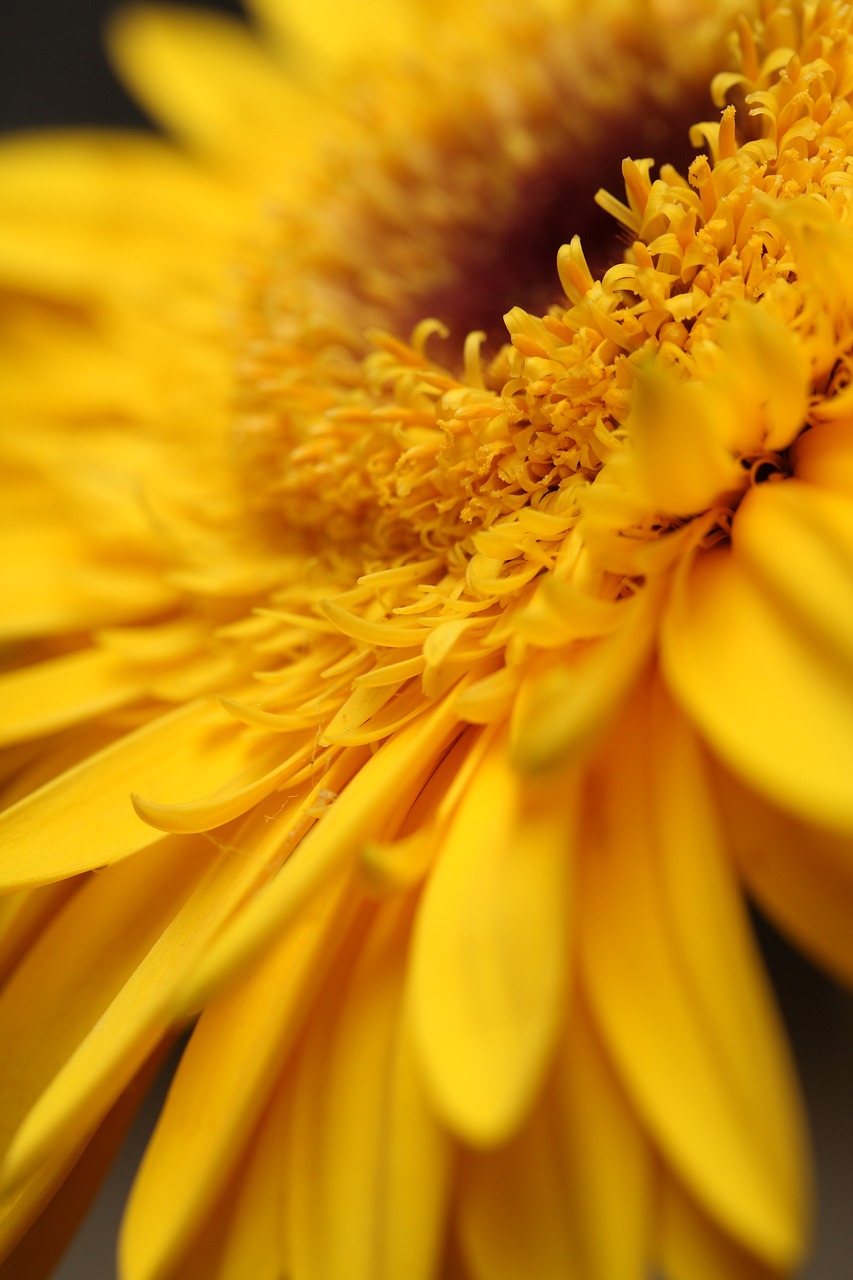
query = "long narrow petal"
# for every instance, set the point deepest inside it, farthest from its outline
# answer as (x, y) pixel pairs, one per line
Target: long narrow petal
(367, 1154)
(84, 818)
(608, 1158)
(48, 586)
(516, 1218)
(823, 456)
(128, 202)
(384, 782)
(37, 1226)
(683, 1048)
(226, 1074)
(719, 956)
(572, 1193)
(561, 709)
(115, 1012)
(228, 802)
(102, 934)
(491, 954)
(256, 1241)
(25, 915)
(51, 695)
(798, 543)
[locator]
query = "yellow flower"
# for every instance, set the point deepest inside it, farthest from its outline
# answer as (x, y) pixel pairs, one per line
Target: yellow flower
(461, 684)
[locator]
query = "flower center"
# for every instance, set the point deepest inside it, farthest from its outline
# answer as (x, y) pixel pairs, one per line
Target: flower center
(449, 189)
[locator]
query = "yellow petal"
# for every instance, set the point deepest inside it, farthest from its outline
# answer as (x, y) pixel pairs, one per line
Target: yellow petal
(563, 707)
(48, 586)
(227, 802)
(712, 935)
(225, 1076)
(256, 1243)
(798, 543)
(491, 950)
(515, 1215)
(54, 1203)
(128, 202)
(102, 935)
(760, 689)
(384, 634)
(51, 695)
(84, 818)
(385, 782)
(204, 75)
(824, 456)
(339, 34)
(692, 1246)
(133, 179)
(367, 1153)
(678, 460)
(666, 1002)
(545, 1204)
(801, 875)
(23, 916)
(766, 376)
(132, 1001)
(608, 1159)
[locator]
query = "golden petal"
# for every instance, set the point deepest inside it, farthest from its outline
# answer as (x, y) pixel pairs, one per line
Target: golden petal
(358, 1080)
(759, 687)
(225, 1077)
(662, 986)
(205, 77)
(491, 958)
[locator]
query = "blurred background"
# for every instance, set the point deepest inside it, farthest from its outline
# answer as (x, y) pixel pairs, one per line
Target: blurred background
(53, 72)
(52, 64)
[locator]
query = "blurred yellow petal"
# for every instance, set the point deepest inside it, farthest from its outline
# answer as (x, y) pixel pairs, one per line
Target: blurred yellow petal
(693, 1248)
(85, 819)
(127, 201)
(758, 686)
(491, 957)
(336, 33)
(545, 1204)
(656, 968)
(224, 1078)
(609, 1160)
(680, 460)
(24, 915)
(32, 1249)
(563, 707)
(810, 897)
(798, 543)
(205, 77)
(42, 575)
(392, 776)
(190, 904)
(256, 1241)
(54, 694)
(119, 914)
(824, 456)
(367, 1152)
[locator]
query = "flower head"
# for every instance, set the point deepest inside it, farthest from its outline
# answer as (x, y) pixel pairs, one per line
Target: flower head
(462, 670)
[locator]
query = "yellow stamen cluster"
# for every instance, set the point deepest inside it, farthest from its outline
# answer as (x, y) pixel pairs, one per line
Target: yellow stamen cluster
(645, 408)
(389, 229)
